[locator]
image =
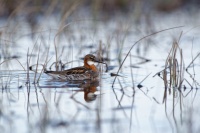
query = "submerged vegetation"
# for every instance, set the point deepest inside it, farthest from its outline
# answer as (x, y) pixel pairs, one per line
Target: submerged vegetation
(150, 82)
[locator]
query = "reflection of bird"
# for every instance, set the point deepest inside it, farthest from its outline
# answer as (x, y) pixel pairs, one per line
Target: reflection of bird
(89, 90)
(89, 94)
(86, 72)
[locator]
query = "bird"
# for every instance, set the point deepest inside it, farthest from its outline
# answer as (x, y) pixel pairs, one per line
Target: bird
(86, 72)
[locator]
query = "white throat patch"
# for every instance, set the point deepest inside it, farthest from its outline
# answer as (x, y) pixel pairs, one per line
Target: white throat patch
(90, 62)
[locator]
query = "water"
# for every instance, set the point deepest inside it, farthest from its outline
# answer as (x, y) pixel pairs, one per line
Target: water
(55, 106)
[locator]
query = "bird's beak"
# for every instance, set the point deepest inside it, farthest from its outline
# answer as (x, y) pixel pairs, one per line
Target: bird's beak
(96, 60)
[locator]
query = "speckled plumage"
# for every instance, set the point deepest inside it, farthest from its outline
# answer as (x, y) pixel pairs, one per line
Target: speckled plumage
(86, 72)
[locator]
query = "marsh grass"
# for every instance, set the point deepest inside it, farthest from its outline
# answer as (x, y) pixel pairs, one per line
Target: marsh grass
(173, 77)
(176, 68)
(137, 43)
(173, 74)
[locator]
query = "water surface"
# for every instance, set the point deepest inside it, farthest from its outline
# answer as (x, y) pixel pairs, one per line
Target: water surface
(138, 101)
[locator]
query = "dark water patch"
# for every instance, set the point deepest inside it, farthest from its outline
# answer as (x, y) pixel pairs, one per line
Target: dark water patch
(114, 74)
(134, 66)
(111, 67)
(123, 108)
(90, 46)
(10, 57)
(56, 124)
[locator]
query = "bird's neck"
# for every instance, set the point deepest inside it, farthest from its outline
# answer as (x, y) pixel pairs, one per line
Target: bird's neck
(92, 67)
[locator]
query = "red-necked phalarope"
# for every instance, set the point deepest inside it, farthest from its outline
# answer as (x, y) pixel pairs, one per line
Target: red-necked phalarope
(86, 72)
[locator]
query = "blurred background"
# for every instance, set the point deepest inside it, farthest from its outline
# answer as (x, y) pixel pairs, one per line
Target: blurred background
(31, 10)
